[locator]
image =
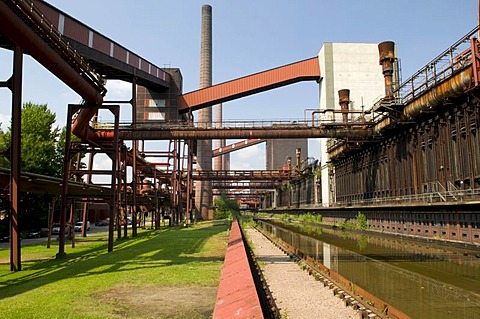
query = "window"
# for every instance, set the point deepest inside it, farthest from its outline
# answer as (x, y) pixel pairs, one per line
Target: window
(156, 116)
(155, 103)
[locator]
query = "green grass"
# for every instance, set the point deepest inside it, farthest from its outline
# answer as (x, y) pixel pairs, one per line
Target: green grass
(92, 283)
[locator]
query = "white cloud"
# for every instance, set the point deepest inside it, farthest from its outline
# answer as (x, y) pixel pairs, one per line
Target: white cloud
(250, 158)
(5, 120)
(101, 162)
(119, 90)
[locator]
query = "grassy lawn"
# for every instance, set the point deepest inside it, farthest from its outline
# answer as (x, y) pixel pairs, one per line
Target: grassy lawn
(168, 273)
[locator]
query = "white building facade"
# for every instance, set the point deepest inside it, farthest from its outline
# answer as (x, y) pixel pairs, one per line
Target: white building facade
(353, 66)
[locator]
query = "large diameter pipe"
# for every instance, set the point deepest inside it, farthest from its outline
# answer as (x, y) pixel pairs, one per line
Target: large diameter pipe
(452, 87)
(17, 31)
(386, 51)
(298, 155)
(344, 101)
(230, 133)
(81, 127)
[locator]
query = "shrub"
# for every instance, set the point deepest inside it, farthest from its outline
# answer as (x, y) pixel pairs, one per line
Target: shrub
(362, 221)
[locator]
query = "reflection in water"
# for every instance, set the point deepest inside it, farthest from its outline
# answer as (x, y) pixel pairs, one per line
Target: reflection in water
(422, 280)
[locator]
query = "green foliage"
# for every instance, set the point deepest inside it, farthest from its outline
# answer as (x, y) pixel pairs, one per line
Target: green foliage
(347, 225)
(225, 207)
(362, 221)
(42, 152)
(311, 218)
(38, 141)
(362, 242)
(146, 264)
(246, 221)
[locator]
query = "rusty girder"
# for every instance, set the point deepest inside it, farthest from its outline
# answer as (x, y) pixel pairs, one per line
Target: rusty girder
(242, 175)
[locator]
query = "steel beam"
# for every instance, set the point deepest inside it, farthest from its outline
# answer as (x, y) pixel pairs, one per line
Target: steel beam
(134, 159)
(66, 172)
(236, 146)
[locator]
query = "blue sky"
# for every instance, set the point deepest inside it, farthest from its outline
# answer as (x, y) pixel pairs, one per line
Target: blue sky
(248, 37)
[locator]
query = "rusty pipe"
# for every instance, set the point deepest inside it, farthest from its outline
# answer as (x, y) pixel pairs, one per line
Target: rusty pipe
(452, 87)
(17, 31)
(241, 133)
(386, 52)
(298, 154)
(344, 101)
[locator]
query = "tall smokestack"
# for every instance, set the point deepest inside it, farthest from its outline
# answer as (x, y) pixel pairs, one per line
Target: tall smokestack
(386, 51)
(203, 189)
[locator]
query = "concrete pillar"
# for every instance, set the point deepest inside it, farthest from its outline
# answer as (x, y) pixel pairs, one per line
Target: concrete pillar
(203, 189)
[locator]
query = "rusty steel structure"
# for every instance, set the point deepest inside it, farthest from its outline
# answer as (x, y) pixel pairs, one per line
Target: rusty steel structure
(242, 175)
(418, 174)
(418, 145)
(236, 146)
(306, 70)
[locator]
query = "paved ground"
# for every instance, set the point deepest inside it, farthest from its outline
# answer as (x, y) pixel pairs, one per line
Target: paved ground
(296, 294)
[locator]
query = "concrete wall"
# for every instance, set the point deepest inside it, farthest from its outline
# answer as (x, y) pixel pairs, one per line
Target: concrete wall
(353, 66)
(278, 150)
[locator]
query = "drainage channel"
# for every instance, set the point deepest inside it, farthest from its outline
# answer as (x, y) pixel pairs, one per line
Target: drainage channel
(391, 277)
(357, 298)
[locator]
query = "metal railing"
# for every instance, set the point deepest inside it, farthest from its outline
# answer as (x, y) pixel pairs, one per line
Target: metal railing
(459, 195)
(45, 29)
(233, 124)
(452, 60)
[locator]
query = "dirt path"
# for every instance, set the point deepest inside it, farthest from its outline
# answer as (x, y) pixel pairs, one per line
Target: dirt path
(296, 294)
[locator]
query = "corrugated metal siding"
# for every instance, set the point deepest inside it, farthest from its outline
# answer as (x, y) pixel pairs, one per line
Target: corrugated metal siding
(101, 43)
(145, 66)
(120, 53)
(75, 30)
(287, 74)
(134, 60)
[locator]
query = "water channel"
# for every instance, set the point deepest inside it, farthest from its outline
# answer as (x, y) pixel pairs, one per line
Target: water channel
(423, 280)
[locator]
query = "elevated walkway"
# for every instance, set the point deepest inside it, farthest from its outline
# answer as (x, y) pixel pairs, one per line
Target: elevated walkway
(306, 70)
(105, 56)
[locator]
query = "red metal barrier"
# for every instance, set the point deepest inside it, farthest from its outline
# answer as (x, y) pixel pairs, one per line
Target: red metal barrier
(237, 296)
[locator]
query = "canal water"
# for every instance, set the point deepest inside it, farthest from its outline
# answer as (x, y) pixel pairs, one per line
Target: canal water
(423, 280)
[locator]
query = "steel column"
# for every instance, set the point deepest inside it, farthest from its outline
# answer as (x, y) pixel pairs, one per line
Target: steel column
(113, 196)
(66, 172)
(179, 180)
(15, 160)
(85, 204)
(134, 159)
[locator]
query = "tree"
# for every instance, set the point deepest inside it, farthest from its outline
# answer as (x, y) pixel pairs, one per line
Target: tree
(38, 140)
(224, 207)
(39, 154)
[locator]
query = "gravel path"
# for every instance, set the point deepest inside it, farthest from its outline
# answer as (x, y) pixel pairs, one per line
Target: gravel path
(296, 294)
